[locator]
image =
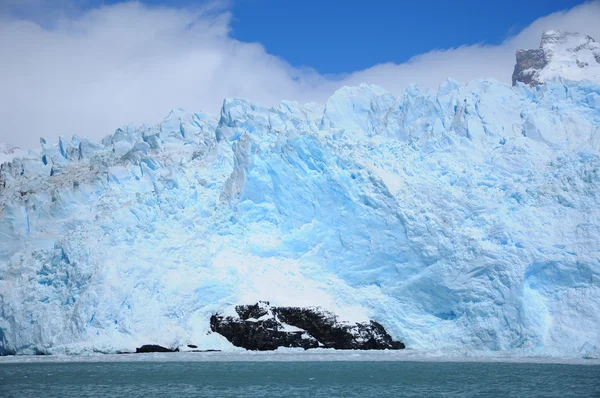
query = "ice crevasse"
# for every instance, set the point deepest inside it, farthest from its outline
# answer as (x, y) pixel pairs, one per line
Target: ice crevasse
(466, 220)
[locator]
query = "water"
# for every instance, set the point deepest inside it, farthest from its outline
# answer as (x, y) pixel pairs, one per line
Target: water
(297, 379)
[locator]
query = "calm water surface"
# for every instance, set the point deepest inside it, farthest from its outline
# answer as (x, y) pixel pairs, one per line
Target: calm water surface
(297, 379)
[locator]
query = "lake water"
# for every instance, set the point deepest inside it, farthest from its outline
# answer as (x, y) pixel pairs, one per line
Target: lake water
(286, 378)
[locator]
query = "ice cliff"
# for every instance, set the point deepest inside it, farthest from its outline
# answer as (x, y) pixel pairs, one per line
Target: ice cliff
(464, 220)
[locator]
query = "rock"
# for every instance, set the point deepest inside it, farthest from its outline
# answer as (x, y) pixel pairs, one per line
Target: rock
(154, 348)
(529, 62)
(263, 327)
(192, 346)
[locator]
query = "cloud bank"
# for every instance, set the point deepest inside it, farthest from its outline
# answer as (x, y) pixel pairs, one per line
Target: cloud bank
(91, 71)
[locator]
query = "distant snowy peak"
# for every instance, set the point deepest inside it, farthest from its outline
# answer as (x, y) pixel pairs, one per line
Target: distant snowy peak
(7, 148)
(9, 152)
(568, 55)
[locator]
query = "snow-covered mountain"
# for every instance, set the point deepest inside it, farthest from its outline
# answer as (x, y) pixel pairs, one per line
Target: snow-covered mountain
(9, 152)
(565, 55)
(468, 220)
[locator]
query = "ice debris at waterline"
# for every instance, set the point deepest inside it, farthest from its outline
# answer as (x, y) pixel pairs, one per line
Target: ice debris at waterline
(263, 327)
(463, 220)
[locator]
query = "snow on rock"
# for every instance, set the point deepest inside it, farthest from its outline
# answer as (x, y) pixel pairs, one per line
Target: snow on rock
(9, 152)
(571, 56)
(463, 220)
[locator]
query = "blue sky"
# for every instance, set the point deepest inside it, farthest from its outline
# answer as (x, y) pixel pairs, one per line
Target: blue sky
(86, 67)
(344, 36)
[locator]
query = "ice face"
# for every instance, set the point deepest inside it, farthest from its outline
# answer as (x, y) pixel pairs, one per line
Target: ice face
(466, 220)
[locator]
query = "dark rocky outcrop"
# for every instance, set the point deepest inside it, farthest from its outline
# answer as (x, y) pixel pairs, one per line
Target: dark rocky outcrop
(263, 327)
(529, 63)
(154, 348)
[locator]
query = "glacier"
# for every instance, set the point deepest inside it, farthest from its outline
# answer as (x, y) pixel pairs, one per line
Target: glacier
(462, 220)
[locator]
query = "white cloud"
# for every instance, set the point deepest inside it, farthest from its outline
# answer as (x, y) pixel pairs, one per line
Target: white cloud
(98, 69)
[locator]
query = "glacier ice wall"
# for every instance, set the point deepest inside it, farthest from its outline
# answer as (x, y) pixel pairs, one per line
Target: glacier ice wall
(465, 220)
